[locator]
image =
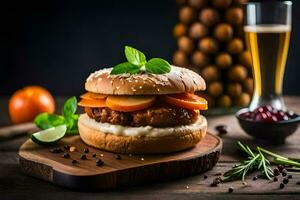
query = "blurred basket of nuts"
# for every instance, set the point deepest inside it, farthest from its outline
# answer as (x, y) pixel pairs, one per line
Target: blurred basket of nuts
(210, 41)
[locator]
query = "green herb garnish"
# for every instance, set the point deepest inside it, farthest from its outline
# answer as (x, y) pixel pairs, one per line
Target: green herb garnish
(136, 63)
(68, 118)
(254, 161)
(257, 161)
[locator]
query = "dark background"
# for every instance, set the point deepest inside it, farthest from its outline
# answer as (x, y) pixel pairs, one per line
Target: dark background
(58, 43)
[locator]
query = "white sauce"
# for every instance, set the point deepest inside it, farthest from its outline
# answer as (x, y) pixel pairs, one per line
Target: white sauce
(148, 131)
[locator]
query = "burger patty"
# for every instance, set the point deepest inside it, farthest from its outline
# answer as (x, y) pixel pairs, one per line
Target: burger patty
(156, 116)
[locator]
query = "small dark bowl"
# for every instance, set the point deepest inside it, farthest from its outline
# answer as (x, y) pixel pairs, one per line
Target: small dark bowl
(275, 132)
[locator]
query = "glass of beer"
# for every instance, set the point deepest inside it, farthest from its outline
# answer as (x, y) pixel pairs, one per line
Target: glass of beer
(267, 31)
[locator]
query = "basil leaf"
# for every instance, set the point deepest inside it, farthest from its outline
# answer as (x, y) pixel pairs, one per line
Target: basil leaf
(124, 68)
(69, 108)
(158, 66)
(135, 56)
(72, 125)
(46, 120)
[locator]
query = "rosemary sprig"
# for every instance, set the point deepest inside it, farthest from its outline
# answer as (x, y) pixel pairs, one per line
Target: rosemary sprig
(258, 161)
(255, 161)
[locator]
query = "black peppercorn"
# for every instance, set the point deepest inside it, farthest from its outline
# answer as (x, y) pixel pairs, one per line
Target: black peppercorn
(222, 129)
(276, 172)
(275, 179)
(74, 161)
(99, 162)
(66, 155)
(285, 180)
(56, 150)
(298, 182)
(281, 185)
(284, 172)
(290, 176)
(94, 155)
(280, 168)
(66, 147)
(254, 178)
(230, 189)
(118, 157)
(218, 174)
(86, 150)
(205, 177)
(83, 157)
(216, 182)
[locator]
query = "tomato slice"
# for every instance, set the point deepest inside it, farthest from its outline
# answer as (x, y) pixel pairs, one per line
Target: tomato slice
(186, 100)
(129, 103)
(93, 103)
(92, 96)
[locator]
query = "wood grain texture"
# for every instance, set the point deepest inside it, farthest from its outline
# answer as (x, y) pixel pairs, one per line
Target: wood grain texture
(14, 184)
(39, 162)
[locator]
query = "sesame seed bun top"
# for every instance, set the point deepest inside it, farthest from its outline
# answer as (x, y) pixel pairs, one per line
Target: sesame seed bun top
(178, 80)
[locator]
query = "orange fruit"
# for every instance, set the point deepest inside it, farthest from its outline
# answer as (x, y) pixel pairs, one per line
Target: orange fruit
(28, 102)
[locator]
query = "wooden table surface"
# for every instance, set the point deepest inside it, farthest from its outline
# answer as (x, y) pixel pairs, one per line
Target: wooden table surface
(15, 185)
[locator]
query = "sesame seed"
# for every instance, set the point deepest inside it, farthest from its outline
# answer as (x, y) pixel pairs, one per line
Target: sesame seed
(187, 187)
(101, 155)
(158, 89)
(136, 80)
(117, 87)
(141, 87)
(142, 158)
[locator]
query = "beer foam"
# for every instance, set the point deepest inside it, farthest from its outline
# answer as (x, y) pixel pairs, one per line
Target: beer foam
(268, 28)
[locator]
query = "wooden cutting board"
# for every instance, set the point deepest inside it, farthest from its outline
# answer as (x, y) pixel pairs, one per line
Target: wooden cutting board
(38, 161)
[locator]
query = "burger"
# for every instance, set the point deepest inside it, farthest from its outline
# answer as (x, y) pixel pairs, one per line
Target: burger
(143, 112)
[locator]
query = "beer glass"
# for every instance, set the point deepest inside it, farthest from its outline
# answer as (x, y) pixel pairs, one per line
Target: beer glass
(267, 33)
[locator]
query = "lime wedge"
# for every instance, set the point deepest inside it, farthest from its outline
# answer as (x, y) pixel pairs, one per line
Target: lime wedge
(50, 135)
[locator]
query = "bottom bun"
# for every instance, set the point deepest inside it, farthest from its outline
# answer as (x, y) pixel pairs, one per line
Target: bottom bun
(181, 138)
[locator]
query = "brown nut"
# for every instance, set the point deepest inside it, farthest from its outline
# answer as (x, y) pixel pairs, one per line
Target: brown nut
(223, 60)
(243, 100)
(248, 85)
(222, 4)
(234, 16)
(224, 101)
(199, 59)
(209, 16)
(210, 73)
(237, 73)
(223, 32)
(234, 89)
(185, 44)
(197, 31)
(179, 30)
(235, 46)
(180, 59)
(215, 89)
(245, 58)
(187, 14)
(197, 4)
(208, 45)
